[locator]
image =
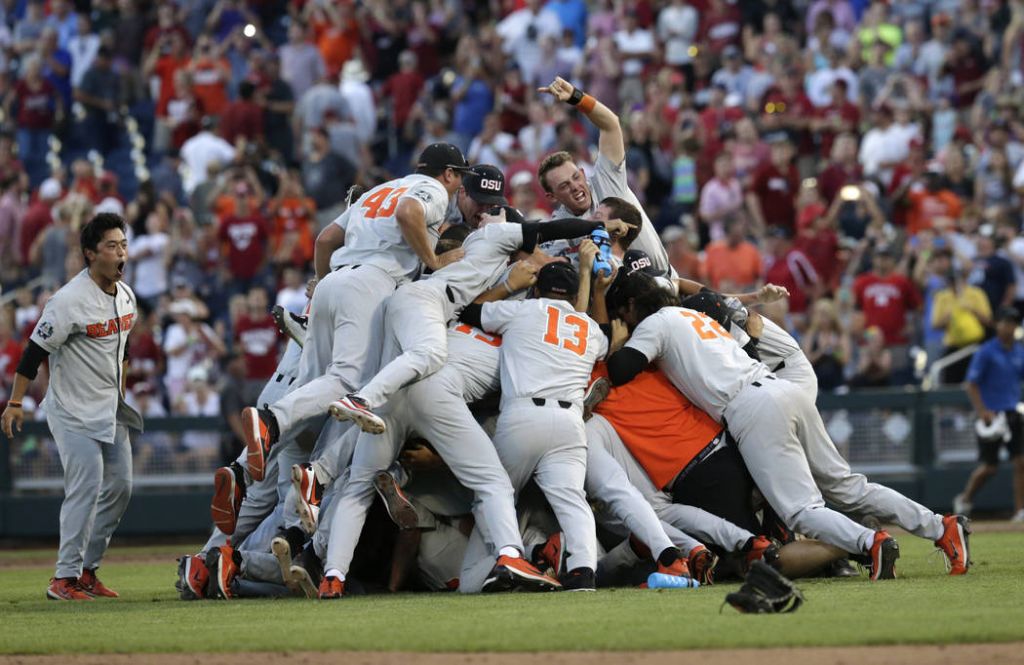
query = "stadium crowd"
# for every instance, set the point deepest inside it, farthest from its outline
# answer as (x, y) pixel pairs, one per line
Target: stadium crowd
(867, 155)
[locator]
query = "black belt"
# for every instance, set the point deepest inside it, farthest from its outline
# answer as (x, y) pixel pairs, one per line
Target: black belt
(698, 458)
(347, 266)
(540, 401)
(451, 295)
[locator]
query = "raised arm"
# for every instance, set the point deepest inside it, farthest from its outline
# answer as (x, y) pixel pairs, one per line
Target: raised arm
(610, 142)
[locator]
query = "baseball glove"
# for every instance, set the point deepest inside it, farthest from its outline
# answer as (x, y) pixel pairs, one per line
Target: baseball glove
(765, 591)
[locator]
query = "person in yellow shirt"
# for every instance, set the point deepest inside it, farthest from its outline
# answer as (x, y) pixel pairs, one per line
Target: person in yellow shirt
(963, 311)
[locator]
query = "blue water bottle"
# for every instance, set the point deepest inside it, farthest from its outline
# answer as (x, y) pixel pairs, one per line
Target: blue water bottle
(602, 263)
(663, 581)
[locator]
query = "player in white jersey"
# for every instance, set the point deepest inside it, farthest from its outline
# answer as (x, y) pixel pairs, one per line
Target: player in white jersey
(850, 492)
(390, 234)
(83, 330)
(416, 316)
(567, 186)
(540, 432)
(774, 421)
(436, 410)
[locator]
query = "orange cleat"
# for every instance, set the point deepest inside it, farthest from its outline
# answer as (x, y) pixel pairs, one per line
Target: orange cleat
(66, 588)
(91, 584)
(331, 588)
(884, 552)
(228, 492)
(257, 442)
(953, 544)
(702, 565)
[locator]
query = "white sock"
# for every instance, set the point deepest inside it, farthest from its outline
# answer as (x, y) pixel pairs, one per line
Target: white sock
(510, 552)
(334, 572)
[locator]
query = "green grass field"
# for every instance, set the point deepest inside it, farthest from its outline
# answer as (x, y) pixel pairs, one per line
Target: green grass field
(924, 606)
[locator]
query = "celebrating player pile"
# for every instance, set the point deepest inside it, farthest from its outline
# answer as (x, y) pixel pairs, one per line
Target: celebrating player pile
(504, 386)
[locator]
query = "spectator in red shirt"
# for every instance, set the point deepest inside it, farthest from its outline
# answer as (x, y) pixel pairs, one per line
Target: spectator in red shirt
(772, 196)
(210, 75)
(787, 108)
(145, 357)
(36, 106)
(166, 24)
(721, 25)
(885, 298)
(839, 116)
(966, 63)
(820, 243)
(257, 336)
(242, 117)
(790, 267)
(38, 217)
(842, 170)
(246, 235)
(10, 355)
(403, 87)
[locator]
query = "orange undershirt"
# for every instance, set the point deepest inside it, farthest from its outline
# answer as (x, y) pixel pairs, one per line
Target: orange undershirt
(660, 427)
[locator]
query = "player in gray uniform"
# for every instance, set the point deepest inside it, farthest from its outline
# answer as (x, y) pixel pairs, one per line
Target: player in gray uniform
(850, 492)
(83, 329)
(566, 185)
(390, 234)
(436, 410)
(773, 420)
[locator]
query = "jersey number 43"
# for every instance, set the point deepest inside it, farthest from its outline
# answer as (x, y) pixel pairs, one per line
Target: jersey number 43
(382, 202)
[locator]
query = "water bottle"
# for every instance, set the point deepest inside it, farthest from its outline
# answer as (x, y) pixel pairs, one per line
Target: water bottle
(602, 262)
(663, 581)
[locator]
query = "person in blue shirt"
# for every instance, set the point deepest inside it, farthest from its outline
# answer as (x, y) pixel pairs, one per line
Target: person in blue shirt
(994, 388)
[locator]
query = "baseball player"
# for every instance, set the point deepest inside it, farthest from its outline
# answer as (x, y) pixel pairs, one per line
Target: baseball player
(769, 417)
(436, 409)
(389, 236)
(850, 492)
(418, 313)
(567, 187)
(83, 330)
(540, 428)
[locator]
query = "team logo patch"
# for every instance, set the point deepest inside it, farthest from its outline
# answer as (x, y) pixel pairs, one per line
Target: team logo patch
(45, 330)
(424, 195)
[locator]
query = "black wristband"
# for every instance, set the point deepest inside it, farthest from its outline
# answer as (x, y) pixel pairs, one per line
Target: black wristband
(576, 97)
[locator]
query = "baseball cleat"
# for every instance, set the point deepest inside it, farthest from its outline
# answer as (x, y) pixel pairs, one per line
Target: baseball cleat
(884, 552)
(678, 568)
(399, 508)
(579, 579)
(257, 442)
(223, 563)
(953, 543)
(66, 588)
(353, 407)
(91, 584)
(193, 577)
(308, 570)
(228, 492)
(292, 325)
(331, 588)
(761, 548)
(596, 393)
(701, 563)
(518, 574)
(551, 555)
(282, 549)
(308, 492)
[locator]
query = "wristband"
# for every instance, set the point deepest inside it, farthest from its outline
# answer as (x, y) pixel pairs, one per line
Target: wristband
(16, 405)
(576, 97)
(587, 104)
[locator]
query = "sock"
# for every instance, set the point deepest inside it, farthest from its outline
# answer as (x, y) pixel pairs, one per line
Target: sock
(334, 572)
(510, 552)
(669, 556)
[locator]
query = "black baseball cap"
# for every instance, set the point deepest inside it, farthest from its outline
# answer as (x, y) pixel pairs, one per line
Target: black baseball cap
(437, 157)
(485, 184)
(636, 260)
(710, 303)
(558, 277)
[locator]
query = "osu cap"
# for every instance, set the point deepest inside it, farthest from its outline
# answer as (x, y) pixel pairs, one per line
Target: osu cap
(636, 260)
(485, 184)
(441, 156)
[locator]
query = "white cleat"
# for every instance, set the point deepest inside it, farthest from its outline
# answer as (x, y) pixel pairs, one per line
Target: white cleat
(307, 496)
(290, 324)
(353, 407)
(283, 553)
